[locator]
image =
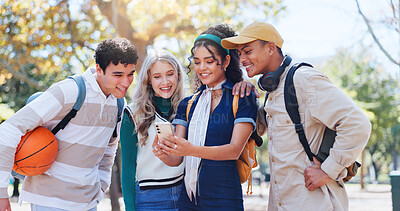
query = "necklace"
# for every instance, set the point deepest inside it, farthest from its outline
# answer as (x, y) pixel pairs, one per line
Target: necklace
(216, 95)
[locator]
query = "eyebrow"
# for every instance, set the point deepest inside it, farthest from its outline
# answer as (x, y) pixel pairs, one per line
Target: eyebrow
(208, 57)
(244, 47)
(121, 72)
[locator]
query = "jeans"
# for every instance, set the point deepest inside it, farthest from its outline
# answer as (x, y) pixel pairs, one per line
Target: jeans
(158, 199)
(35, 207)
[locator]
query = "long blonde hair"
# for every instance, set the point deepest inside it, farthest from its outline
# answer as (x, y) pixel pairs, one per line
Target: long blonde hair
(143, 109)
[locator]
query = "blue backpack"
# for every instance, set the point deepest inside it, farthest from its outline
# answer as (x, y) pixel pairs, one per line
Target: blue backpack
(78, 104)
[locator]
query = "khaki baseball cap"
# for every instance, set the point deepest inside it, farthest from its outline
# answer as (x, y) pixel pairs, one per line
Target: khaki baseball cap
(254, 31)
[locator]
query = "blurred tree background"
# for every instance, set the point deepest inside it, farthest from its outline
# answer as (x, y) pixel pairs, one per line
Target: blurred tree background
(377, 94)
(44, 41)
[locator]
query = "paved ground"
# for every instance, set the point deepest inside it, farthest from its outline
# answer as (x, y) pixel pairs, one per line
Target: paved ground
(372, 198)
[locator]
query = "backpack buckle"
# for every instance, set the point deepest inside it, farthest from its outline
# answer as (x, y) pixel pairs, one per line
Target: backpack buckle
(299, 128)
(72, 113)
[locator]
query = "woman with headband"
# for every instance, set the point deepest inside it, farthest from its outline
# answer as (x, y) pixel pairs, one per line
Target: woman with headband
(208, 135)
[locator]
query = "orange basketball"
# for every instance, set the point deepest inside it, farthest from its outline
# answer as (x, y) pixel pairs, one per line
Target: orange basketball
(36, 152)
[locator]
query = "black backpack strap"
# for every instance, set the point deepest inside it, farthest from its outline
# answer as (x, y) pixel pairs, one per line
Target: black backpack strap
(257, 138)
(78, 78)
(292, 107)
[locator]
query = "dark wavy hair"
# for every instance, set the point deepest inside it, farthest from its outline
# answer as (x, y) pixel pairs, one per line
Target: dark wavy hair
(115, 50)
(233, 71)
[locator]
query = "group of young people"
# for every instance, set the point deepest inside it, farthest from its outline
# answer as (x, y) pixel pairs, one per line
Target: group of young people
(195, 169)
(208, 178)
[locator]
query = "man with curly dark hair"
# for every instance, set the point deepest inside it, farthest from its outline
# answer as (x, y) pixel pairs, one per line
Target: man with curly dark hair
(81, 173)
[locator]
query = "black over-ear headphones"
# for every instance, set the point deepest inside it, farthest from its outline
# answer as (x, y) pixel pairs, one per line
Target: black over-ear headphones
(270, 81)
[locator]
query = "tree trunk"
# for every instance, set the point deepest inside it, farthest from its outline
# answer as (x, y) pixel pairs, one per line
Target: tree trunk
(395, 157)
(125, 28)
(376, 169)
(115, 186)
(362, 169)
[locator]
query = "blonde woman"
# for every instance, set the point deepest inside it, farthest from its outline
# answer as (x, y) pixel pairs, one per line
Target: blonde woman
(147, 183)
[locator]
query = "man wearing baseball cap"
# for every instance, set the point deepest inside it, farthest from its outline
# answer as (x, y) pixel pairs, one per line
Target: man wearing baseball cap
(296, 182)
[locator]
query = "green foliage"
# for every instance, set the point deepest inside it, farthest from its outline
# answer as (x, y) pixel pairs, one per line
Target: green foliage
(5, 112)
(376, 93)
(44, 41)
(180, 21)
(41, 42)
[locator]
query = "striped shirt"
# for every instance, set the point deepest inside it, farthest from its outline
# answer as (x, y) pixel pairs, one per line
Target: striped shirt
(86, 148)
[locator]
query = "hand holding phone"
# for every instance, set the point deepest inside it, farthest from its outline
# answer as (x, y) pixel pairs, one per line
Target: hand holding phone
(163, 129)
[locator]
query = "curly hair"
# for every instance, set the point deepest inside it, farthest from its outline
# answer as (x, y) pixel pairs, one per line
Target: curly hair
(233, 71)
(115, 50)
(143, 110)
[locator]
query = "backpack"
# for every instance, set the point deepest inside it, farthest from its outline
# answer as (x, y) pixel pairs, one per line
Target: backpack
(292, 108)
(78, 78)
(247, 159)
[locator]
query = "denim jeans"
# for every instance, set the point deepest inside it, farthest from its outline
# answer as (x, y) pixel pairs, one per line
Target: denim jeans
(35, 207)
(158, 199)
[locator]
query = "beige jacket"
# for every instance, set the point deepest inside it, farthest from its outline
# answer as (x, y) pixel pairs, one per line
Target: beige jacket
(321, 104)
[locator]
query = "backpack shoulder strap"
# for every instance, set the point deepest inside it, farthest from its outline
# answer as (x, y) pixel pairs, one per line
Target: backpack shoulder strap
(235, 105)
(292, 107)
(78, 78)
(120, 104)
(190, 103)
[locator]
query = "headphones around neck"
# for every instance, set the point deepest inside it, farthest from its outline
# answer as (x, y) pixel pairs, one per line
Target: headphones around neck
(270, 81)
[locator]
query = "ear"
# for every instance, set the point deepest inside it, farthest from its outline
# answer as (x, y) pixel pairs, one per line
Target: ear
(99, 70)
(271, 47)
(227, 61)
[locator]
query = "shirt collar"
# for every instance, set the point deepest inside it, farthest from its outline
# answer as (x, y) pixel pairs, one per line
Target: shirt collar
(89, 75)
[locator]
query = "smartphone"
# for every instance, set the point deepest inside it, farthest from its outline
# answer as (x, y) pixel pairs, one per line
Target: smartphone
(163, 129)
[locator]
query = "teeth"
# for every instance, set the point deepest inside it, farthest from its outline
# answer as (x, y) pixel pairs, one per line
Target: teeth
(205, 74)
(166, 88)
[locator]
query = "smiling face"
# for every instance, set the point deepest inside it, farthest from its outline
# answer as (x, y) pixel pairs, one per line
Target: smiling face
(116, 79)
(255, 57)
(163, 79)
(209, 70)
